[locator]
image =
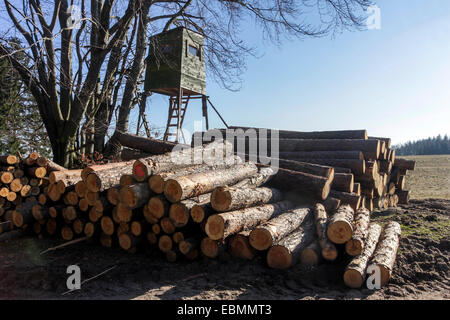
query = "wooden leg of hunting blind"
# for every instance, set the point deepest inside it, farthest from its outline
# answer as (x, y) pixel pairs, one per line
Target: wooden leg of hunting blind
(340, 226)
(239, 246)
(219, 226)
(328, 249)
(351, 199)
(286, 252)
(196, 184)
(165, 243)
(136, 195)
(386, 250)
(212, 248)
(316, 186)
(230, 198)
(355, 273)
(158, 206)
(343, 182)
(355, 245)
(263, 236)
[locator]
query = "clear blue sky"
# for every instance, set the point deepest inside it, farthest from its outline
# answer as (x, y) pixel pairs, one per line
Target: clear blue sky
(393, 82)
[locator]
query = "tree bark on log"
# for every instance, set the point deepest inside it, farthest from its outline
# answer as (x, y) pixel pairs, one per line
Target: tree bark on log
(264, 235)
(220, 226)
(231, 198)
(286, 252)
(351, 199)
(217, 152)
(69, 175)
(386, 250)
(263, 176)
(99, 181)
(316, 186)
(343, 182)
(328, 249)
(196, 184)
(239, 246)
(358, 155)
(355, 273)
(305, 167)
(340, 226)
(355, 245)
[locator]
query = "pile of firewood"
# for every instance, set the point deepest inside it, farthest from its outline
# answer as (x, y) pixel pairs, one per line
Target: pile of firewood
(308, 211)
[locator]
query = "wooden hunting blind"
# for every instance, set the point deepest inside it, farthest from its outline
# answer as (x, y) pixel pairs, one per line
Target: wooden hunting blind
(176, 68)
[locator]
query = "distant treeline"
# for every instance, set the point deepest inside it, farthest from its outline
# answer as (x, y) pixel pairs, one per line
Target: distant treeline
(434, 145)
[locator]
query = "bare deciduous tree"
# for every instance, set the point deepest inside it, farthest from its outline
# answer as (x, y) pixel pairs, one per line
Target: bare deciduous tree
(82, 74)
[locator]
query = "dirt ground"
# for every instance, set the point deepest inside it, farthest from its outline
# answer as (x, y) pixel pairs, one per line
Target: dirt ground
(422, 269)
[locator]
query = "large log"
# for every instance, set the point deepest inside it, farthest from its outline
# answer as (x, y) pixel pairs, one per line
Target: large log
(201, 211)
(386, 140)
(264, 235)
(217, 152)
(351, 199)
(328, 249)
(286, 134)
(23, 215)
(404, 163)
(403, 196)
(322, 155)
(386, 251)
(231, 198)
(156, 181)
(128, 154)
(72, 176)
(355, 165)
(286, 252)
(100, 167)
(340, 226)
(158, 206)
(99, 181)
(318, 187)
(355, 273)
(220, 226)
(9, 160)
(311, 255)
(355, 245)
(150, 145)
(189, 186)
(343, 182)
(263, 176)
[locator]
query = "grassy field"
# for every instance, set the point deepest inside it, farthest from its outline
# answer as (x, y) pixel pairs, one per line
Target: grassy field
(431, 177)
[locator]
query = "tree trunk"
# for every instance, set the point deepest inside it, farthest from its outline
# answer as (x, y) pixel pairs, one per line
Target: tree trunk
(286, 252)
(264, 235)
(231, 198)
(318, 187)
(340, 226)
(220, 226)
(355, 273)
(355, 245)
(328, 249)
(386, 250)
(193, 185)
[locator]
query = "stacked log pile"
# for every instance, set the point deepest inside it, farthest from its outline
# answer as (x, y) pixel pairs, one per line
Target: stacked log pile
(207, 201)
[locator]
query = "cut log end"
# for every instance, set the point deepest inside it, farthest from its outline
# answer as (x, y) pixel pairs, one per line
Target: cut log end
(17, 219)
(329, 253)
(156, 184)
(278, 257)
(157, 207)
(107, 225)
(209, 248)
(93, 183)
(197, 213)
(125, 241)
(261, 239)
(179, 215)
(221, 199)
(140, 172)
(353, 279)
(165, 243)
(215, 227)
(172, 190)
(340, 232)
(89, 229)
(66, 233)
